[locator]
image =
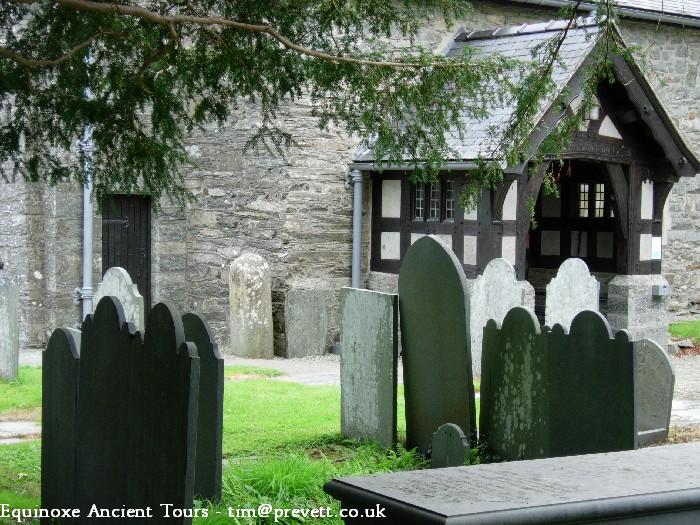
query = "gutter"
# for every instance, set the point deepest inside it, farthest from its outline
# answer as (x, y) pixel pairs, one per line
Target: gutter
(452, 165)
(627, 12)
(86, 292)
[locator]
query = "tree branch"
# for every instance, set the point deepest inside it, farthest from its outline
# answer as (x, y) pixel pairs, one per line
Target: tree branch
(36, 63)
(172, 20)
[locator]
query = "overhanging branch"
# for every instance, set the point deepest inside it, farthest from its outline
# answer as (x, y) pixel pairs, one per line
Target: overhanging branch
(36, 62)
(169, 21)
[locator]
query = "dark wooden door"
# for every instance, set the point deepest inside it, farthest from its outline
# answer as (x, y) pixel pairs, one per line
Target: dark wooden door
(126, 239)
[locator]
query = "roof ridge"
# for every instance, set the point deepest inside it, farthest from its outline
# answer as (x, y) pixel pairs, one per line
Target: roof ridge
(525, 29)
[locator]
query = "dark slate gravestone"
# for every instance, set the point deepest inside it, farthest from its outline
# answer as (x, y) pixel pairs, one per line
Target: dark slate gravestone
(433, 304)
(647, 486)
(592, 377)
(655, 382)
(61, 364)
(547, 394)
(450, 447)
(211, 408)
(137, 413)
(514, 415)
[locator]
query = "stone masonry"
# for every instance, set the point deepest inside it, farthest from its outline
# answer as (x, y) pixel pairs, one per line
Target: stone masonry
(294, 210)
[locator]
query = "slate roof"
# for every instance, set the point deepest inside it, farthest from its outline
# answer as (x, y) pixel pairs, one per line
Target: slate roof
(514, 42)
(686, 8)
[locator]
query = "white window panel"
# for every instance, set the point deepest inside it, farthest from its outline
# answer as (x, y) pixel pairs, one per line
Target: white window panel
(470, 249)
(647, 208)
(508, 249)
(510, 203)
(391, 199)
(391, 245)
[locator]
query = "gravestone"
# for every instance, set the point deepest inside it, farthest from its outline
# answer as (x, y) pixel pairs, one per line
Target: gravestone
(655, 382)
(121, 420)
(210, 408)
(368, 365)
(250, 297)
(655, 485)
(548, 393)
(573, 290)
(434, 307)
(514, 412)
(493, 294)
(59, 421)
(307, 318)
(117, 283)
(9, 332)
(450, 447)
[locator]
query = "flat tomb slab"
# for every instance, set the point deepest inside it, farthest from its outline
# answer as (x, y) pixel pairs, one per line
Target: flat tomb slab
(651, 485)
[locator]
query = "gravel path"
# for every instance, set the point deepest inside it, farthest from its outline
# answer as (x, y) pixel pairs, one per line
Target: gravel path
(687, 377)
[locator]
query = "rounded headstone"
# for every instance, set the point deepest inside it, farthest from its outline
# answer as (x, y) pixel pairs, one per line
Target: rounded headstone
(494, 293)
(250, 296)
(573, 290)
(450, 447)
(433, 302)
(117, 283)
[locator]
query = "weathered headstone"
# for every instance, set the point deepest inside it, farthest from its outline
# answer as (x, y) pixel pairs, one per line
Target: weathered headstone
(250, 297)
(59, 421)
(514, 411)
(137, 412)
(121, 420)
(307, 319)
(437, 365)
(368, 364)
(494, 293)
(573, 290)
(592, 388)
(9, 332)
(548, 393)
(450, 447)
(211, 408)
(655, 382)
(651, 485)
(117, 283)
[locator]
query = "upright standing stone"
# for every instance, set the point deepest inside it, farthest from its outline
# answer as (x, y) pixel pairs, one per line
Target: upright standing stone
(307, 318)
(210, 422)
(548, 393)
(450, 447)
(573, 290)
(655, 382)
(250, 294)
(59, 422)
(117, 283)
(434, 306)
(514, 415)
(9, 331)
(494, 293)
(592, 376)
(368, 363)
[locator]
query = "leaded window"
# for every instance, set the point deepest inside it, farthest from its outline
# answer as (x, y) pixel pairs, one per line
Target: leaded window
(419, 207)
(583, 200)
(450, 200)
(435, 201)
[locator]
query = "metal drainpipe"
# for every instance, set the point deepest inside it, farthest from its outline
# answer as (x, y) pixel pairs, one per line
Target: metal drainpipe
(356, 177)
(86, 293)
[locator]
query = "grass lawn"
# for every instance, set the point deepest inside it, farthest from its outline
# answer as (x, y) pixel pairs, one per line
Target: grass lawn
(686, 330)
(281, 441)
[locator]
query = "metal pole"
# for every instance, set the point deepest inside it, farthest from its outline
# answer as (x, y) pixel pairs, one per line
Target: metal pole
(86, 293)
(356, 176)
